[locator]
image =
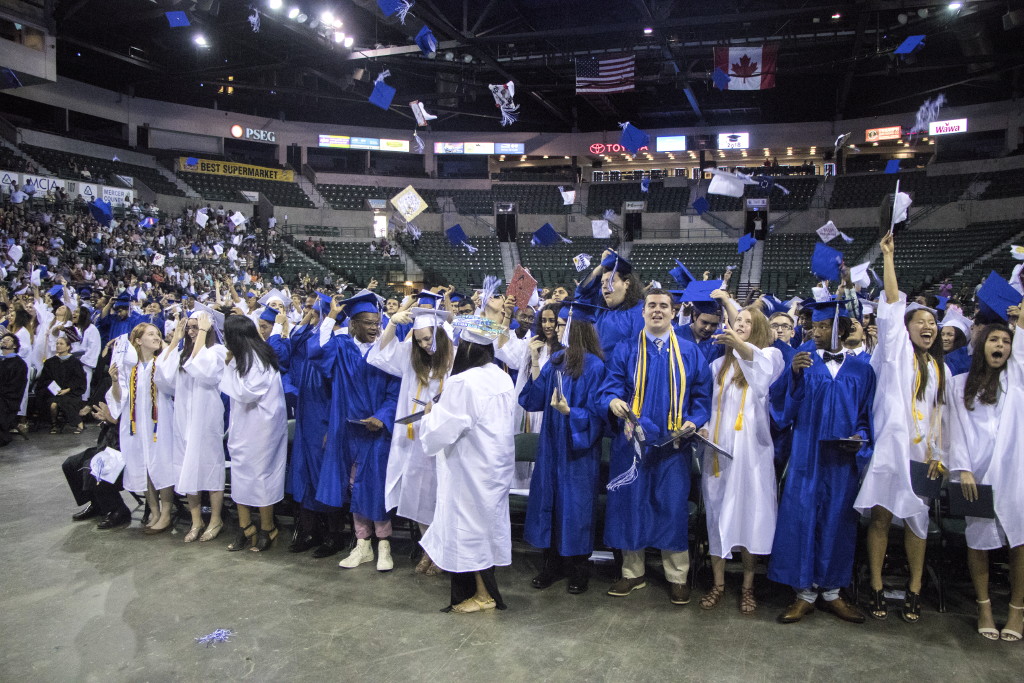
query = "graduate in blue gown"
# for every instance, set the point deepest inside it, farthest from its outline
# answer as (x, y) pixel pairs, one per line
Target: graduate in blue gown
(830, 397)
(121, 320)
(311, 420)
(272, 328)
(667, 384)
(614, 286)
(364, 400)
(564, 485)
(701, 330)
(781, 324)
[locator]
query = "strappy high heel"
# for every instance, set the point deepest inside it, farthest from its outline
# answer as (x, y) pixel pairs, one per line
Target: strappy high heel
(911, 612)
(1008, 634)
(264, 539)
(243, 539)
(987, 632)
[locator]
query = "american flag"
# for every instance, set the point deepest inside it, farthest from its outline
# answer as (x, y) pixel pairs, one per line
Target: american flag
(611, 73)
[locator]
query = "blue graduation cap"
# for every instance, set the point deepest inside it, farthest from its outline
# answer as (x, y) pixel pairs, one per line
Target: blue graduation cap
(909, 45)
(826, 262)
(425, 298)
(943, 300)
(55, 291)
(177, 19)
(362, 303)
(546, 235)
(191, 161)
(456, 235)
(580, 311)
(701, 206)
(101, 211)
(746, 243)
(269, 315)
(720, 79)
(616, 263)
(195, 248)
(426, 40)
(681, 274)
(892, 166)
(698, 293)
(323, 304)
(399, 7)
(826, 310)
(382, 92)
(995, 296)
(773, 305)
(123, 300)
(632, 138)
(645, 184)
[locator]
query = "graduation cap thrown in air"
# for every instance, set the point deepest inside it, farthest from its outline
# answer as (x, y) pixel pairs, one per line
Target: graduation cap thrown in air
(995, 296)
(546, 235)
(426, 41)
(701, 206)
(632, 138)
(746, 243)
(101, 212)
(909, 45)
(720, 79)
(826, 262)
(383, 93)
(892, 166)
(177, 19)
(395, 7)
(681, 274)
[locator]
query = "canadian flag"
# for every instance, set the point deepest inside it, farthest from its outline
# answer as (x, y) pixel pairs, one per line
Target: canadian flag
(749, 68)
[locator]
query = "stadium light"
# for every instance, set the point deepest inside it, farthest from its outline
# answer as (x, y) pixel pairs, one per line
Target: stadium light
(350, 41)
(327, 18)
(275, 4)
(293, 12)
(200, 40)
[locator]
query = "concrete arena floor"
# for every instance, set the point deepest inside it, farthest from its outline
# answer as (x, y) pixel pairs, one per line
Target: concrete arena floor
(80, 604)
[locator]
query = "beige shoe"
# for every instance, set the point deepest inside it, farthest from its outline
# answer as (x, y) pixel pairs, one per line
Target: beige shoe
(362, 553)
(384, 561)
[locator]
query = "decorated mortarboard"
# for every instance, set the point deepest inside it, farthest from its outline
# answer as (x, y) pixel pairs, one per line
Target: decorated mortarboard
(826, 262)
(426, 298)
(581, 262)
(426, 41)
(995, 296)
(477, 329)
(276, 293)
(269, 315)
(503, 94)
(1017, 251)
(422, 116)
(546, 235)
(177, 19)
(632, 138)
(382, 93)
(909, 45)
(958, 321)
(746, 243)
(458, 238)
(409, 203)
(363, 302)
(395, 7)
(147, 222)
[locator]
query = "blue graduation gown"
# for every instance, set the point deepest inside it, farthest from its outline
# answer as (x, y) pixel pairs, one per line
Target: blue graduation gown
(564, 484)
(707, 347)
(112, 326)
(816, 532)
(782, 433)
(311, 411)
(613, 326)
(359, 390)
(653, 510)
(959, 361)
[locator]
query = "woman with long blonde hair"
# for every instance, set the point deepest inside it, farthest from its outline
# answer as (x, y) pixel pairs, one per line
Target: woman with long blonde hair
(739, 491)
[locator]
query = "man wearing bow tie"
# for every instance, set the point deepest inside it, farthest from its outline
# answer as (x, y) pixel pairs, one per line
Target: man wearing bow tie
(828, 403)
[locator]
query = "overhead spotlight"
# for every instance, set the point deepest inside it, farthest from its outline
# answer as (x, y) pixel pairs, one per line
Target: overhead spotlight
(302, 17)
(275, 4)
(339, 37)
(648, 31)
(349, 41)
(468, 59)
(338, 23)
(293, 12)
(954, 6)
(837, 15)
(923, 12)
(313, 23)
(327, 17)
(200, 40)
(449, 56)
(902, 18)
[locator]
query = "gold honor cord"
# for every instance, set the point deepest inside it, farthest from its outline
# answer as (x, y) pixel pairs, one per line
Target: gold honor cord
(914, 411)
(677, 378)
(132, 392)
(738, 426)
(419, 387)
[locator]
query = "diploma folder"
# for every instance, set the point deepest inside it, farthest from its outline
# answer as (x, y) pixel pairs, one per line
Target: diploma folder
(705, 443)
(919, 481)
(409, 419)
(959, 506)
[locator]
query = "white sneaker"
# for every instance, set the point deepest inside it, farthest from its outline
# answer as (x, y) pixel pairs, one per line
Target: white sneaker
(384, 561)
(362, 553)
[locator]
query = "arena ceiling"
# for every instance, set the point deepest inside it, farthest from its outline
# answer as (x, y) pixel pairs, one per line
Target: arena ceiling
(835, 59)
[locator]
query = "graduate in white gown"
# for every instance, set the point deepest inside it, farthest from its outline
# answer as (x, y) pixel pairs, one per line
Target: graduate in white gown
(423, 361)
(987, 434)
(257, 431)
(198, 418)
(146, 427)
(470, 433)
(909, 413)
(740, 492)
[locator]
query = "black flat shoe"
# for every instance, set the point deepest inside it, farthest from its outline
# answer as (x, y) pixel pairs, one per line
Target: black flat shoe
(88, 513)
(115, 519)
(332, 546)
(304, 543)
(545, 579)
(577, 586)
(878, 608)
(911, 612)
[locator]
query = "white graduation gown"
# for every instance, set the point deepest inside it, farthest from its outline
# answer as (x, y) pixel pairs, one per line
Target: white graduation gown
(144, 455)
(987, 442)
(742, 502)
(411, 480)
(887, 477)
(198, 417)
(516, 355)
(471, 433)
(257, 433)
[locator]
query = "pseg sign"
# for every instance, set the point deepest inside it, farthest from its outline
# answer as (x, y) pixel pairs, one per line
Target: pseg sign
(255, 134)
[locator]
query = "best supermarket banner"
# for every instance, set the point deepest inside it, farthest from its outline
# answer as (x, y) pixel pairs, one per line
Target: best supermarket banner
(194, 165)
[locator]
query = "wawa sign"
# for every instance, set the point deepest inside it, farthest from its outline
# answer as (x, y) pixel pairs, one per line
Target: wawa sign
(947, 127)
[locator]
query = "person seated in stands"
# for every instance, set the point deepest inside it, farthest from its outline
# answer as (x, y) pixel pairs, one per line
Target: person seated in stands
(101, 497)
(86, 173)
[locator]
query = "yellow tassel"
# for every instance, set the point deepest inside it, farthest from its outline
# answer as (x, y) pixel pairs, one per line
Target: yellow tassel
(714, 466)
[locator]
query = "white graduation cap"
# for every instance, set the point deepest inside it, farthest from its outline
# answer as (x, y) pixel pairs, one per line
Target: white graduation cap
(15, 252)
(957, 320)
(158, 259)
(859, 274)
(276, 293)
(568, 196)
(202, 219)
(216, 317)
(1016, 251)
(236, 239)
(237, 218)
(218, 249)
(600, 229)
(232, 254)
(901, 202)
(581, 261)
(726, 184)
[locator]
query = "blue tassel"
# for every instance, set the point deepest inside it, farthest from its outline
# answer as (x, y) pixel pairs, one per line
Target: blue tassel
(221, 635)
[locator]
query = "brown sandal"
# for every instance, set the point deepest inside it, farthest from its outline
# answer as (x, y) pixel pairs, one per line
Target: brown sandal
(747, 602)
(712, 597)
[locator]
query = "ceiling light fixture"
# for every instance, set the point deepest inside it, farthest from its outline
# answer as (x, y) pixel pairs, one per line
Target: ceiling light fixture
(200, 40)
(327, 17)
(275, 4)
(648, 31)
(293, 12)
(350, 41)
(954, 6)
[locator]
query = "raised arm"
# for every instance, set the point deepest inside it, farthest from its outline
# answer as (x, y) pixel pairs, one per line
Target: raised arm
(892, 289)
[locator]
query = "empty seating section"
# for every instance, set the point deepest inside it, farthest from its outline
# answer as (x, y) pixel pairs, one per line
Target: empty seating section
(100, 169)
(545, 199)
(786, 266)
(552, 264)
(354, 262)
(799, 198)
(562, 174)
(443, 263)
(225, 188)
(653, 260)
(291, 262)
(660, 199)
(353, 197)
(1002, 184)
(862, 191)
